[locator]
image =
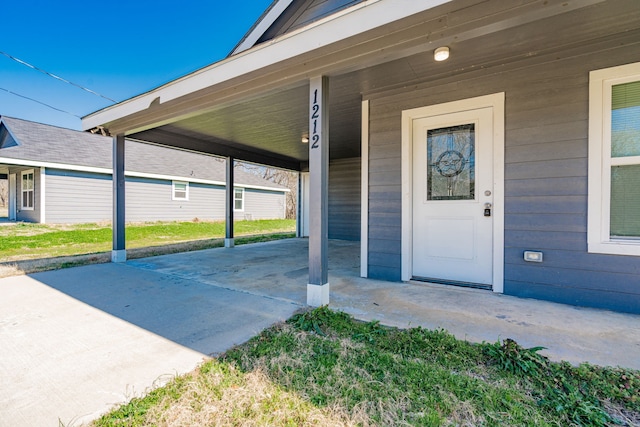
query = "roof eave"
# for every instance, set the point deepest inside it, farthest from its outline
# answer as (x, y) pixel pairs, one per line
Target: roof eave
(340, 26)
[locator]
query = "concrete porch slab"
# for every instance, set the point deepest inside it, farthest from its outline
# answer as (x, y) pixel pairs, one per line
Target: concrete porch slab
(278, 270)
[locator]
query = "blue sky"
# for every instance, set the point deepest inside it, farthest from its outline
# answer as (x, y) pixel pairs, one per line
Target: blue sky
(118, 48)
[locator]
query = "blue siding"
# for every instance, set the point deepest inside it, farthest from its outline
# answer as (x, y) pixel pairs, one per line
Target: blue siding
(546, 179)
(575, 296)
(344, 199)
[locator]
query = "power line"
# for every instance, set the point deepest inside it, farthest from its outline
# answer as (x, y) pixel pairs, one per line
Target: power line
(13, 58)
(39, 102)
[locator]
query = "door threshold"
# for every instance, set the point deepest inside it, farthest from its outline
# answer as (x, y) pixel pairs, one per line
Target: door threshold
(452, 283)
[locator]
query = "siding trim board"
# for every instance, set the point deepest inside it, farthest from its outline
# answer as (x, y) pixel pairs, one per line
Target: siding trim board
(496, 101)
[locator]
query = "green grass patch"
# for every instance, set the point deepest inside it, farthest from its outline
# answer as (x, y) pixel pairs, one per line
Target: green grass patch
(334, 370)
(29, 241)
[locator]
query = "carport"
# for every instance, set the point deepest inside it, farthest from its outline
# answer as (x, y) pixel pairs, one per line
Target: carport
(342, 89)
(294, 102)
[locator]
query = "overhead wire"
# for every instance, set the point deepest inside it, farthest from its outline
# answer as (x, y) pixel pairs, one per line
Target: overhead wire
(39, 102)
(20, 61)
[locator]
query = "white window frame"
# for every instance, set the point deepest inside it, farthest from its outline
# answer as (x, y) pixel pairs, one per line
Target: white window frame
(600, 161)
(173, 191)
(235, 199)
(32, 190)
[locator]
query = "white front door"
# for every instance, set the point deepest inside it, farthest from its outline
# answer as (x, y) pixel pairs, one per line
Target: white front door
(12, 197)
(453, 197)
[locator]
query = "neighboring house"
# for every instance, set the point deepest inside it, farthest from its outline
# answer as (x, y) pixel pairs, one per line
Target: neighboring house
(64, 176)
(513, 165)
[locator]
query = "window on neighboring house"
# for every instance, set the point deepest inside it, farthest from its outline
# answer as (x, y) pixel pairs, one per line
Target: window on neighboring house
(614, 160)
(27, 190)
(238, 199)
(180, 190)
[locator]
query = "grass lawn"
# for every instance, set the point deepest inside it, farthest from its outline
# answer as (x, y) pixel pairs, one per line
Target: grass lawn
(30, 241)
(322, 368)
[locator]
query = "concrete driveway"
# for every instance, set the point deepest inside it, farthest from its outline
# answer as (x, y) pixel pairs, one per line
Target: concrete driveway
(75, 342)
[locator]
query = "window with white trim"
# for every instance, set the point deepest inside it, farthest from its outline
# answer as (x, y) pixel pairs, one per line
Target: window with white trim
(238, 199)
(27, 188)
(180, 190)
(614, 160)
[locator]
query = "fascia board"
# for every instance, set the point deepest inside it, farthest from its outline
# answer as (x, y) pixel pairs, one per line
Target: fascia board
(342, 25)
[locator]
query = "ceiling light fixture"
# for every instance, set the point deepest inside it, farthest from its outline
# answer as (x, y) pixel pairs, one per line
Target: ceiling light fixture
(441, 53)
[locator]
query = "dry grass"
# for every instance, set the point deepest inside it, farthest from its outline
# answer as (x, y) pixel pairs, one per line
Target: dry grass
(225, 397)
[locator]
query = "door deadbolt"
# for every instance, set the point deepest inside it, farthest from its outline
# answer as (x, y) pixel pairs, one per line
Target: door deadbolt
(487, 209)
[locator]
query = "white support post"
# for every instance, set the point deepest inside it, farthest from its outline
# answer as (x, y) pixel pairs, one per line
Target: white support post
(364, 195)
(318, 287)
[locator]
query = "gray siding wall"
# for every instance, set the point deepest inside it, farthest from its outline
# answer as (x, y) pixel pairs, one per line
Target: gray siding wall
(74, 197)
(262, 204)
(546, 178)
(150, 200)
(27, 215)
(344, 199)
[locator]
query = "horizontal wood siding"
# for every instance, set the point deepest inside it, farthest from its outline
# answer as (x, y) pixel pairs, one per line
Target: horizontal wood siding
(385, 196)
(75, 197)
(344, 199)
(262, 204)
(151, 200)
(546, 177)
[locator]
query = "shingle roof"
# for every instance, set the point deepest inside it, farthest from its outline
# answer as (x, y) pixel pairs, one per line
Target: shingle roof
(38, 142)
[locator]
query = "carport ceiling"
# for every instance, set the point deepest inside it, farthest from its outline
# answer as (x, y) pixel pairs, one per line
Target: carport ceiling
(272, 124)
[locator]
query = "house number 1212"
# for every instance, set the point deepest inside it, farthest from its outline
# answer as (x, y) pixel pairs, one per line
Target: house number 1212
(315, 115)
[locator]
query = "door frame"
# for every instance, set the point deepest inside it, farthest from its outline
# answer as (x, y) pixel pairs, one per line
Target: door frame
(496, 102)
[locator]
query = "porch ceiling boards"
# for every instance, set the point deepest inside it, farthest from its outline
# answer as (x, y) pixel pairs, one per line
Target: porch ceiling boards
(260, 116)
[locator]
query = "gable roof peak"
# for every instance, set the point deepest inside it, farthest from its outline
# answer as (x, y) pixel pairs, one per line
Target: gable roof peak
(286, 16)
(268, 18)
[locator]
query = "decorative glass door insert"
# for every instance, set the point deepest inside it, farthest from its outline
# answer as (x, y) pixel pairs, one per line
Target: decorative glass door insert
(451, 163)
